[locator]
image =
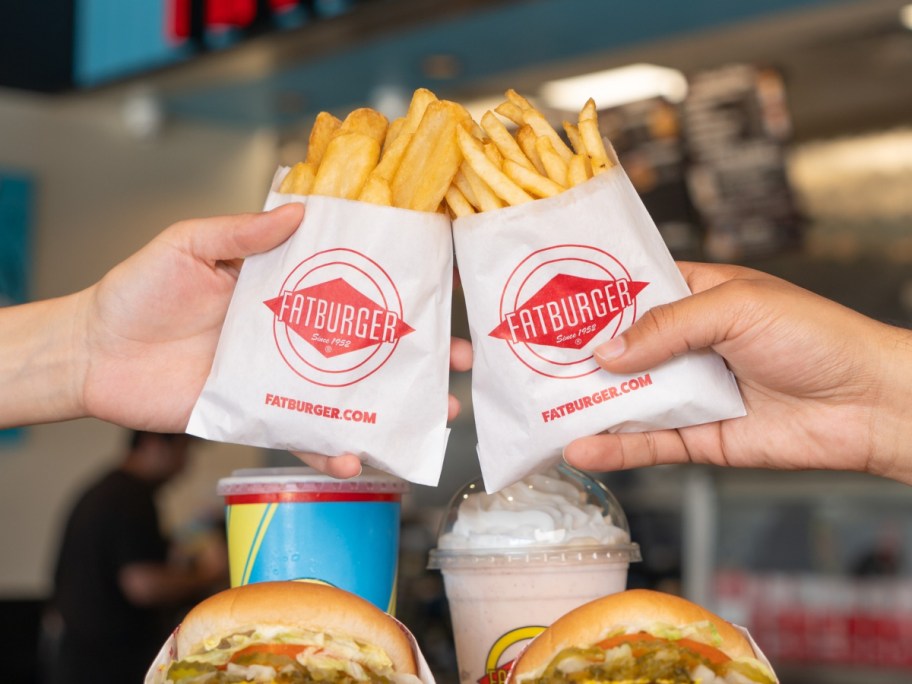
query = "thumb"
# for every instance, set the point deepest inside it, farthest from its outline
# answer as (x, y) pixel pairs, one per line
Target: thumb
(225, 238)
(695, 322)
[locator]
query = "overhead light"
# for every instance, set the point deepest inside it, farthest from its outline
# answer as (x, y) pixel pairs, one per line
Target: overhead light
(905, 16)
(615, 87)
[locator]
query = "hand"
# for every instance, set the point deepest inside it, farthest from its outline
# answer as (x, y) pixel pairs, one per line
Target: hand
(151, 325)
(824, 386)
(349, 465)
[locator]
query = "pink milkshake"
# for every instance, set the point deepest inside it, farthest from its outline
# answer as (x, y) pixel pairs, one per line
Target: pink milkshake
(515, 561)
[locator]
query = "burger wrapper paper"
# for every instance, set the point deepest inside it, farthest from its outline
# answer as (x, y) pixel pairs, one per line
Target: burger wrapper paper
(337, 341)
(157, 672)
(758, 654)
(545, 283)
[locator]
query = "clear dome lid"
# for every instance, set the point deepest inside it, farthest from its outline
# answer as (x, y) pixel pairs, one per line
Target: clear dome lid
(561, 515)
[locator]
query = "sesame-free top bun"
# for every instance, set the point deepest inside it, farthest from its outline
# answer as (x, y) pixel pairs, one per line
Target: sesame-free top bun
(295, 605)
(634, 610)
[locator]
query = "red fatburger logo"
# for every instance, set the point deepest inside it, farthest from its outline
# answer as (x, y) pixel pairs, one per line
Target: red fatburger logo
(337, 318)
(559, 302)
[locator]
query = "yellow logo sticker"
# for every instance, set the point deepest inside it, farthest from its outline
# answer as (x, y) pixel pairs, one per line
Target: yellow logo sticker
(496, 672)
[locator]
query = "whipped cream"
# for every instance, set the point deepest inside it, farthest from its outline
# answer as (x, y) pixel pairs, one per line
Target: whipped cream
(539, 510)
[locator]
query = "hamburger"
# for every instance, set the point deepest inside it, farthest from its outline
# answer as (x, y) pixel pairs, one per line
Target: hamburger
(290, 633)
(640, 637)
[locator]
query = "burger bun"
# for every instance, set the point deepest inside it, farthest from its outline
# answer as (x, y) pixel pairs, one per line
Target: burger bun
(295, 606)
(632, 610)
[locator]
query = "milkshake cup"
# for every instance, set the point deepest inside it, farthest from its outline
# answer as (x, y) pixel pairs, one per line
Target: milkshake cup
(515, 561)
(299, 524)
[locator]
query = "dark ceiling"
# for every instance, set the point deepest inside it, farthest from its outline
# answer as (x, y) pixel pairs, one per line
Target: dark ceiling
(848, 64)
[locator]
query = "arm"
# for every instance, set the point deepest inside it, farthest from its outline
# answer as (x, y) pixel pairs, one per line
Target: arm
(824, 386)
(39, 358)
(158, 584)
(136, 347)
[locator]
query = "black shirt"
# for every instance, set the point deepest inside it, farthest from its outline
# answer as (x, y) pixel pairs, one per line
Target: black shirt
(106, 638)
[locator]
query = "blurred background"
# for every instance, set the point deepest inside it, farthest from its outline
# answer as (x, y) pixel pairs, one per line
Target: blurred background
(772, 133)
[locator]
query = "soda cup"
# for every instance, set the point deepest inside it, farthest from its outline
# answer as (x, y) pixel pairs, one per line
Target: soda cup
(299, 524)
(515, 561)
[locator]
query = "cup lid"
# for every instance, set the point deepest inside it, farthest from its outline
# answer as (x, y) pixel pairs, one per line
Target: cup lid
(305, 479)
(559, 516)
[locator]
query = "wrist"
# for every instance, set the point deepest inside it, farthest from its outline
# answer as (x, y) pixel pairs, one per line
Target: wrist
(891, 454)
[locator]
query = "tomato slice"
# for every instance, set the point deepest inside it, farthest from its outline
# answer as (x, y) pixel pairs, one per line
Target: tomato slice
(290, 650)
(710, 653)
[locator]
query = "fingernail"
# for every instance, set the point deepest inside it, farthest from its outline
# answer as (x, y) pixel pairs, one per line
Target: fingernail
(612, 349)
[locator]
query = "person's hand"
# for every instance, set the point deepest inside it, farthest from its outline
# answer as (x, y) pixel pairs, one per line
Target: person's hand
(349, 465)
(151, 325)
(824, 386)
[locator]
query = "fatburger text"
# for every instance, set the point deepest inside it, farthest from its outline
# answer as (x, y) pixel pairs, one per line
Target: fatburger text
(331, 412)
(596, 398)
(553, 310)
(304, 311)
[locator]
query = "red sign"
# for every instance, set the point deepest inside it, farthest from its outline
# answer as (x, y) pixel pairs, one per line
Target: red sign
(218, 14)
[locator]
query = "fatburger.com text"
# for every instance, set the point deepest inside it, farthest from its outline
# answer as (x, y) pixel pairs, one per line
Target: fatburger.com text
(596, 398)
(331, 412)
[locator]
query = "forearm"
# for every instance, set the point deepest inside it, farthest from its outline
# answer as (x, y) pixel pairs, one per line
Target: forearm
(154, 584)
(892, 415)
(40, 361)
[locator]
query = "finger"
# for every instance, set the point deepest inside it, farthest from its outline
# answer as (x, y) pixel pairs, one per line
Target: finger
(460, 354)
(695, 322)
(702, 277)
(342, 467)
(626, 451)
(225, 238)
(453, 407)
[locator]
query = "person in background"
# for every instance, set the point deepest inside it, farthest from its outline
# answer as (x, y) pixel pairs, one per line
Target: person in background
(135, 348)
(115, 589)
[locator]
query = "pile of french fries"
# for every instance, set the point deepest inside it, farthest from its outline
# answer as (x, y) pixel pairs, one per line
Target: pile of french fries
(437, 158)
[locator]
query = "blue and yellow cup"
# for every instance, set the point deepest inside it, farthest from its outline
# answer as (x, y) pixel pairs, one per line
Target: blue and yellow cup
(298, 524)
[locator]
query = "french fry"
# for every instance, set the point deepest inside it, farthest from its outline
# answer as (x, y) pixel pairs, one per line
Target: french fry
(376, 191)
(539, 124)
(487, 199)
(421, 98)
(510, 111)
(324, 127)
(517, 99)
(431, 159)
(579, 170)
(531, 181)
(458, 203)
(573, 135)
(392, 132)
(555, 167)
(391, 158)
(461, 182)
(525, 138)
(367, 122)
(492, 153)
(349, 159)
(505, 142)
(477, 130)
(299, 179)
(592, 138)
(474, 153)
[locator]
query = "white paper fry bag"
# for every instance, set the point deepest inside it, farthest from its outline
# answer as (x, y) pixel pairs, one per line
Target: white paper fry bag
(338, 340)
(545, 283)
